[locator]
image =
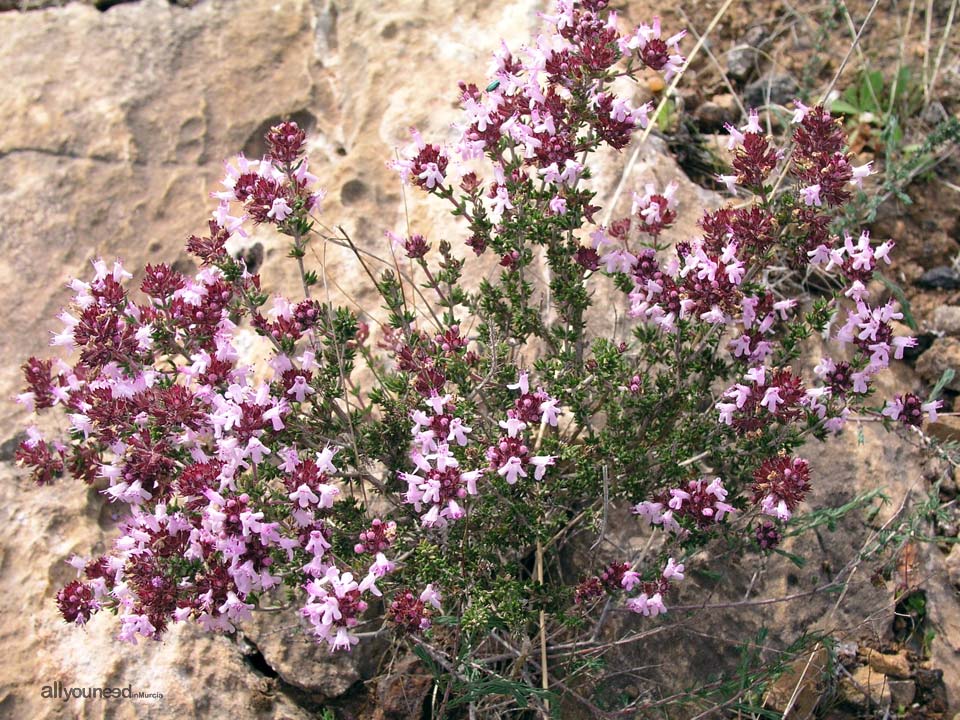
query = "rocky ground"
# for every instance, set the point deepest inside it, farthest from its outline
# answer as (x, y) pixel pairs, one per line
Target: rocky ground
(114, 125)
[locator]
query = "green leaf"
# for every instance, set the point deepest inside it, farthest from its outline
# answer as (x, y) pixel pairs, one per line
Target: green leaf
(871, 90)
(424, 656)
(902, 82)
(850, 96)
(795, 559)
(841, 106)
(944, 380)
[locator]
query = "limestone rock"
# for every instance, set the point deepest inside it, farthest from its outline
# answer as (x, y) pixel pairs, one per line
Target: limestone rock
(401, 693)
(943, 354)
(288, 648)
(798, 690)
(893, 665)
(741, 62)
(716, 111)
(113, 154)
(115, 125)
(946, 319)
(865, 688)
(946, 428)
(902, 693)
(953, 566)
(773, 87)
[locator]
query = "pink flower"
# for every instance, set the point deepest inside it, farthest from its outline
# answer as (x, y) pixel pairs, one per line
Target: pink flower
(673, 570)
(458, 432)
(753, 123)
(512, 470)
(431, 175)
(304, 496)
(279, 210)
(571, 172)
(931, 409)
(235, 609)
(501, 203)
(799, 113)
(343, 640)
(736, 137)
(631, 579)
(541, 462)
(381, 566)
(548, 410)
(513, 426)
(431, 596)
(771, 399)
(729, 181)
(811, 195)
(300, 389)
(649, 606)
(861, 172)
(522, 384)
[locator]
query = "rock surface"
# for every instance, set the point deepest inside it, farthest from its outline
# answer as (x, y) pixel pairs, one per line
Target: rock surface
(866, 689)
(943, 355)
(892, 665)
(946, 319)
(941, 277)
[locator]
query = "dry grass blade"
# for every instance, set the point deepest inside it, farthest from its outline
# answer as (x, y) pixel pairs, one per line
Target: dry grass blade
(854, 47)
(943, 46)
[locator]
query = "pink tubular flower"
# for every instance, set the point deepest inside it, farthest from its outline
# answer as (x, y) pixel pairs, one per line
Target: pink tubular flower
(861, 172)
(673, 570)
(541, 463)
(430, 596)
(512, 470)
(811, 195)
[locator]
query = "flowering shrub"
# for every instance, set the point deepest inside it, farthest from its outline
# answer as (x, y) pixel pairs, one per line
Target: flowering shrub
(426, 479)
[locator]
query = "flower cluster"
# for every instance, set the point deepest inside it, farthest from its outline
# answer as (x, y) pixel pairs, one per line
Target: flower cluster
(619, 577)
(780, 484)
(909, 409)
(539, 104)
(442, 485)
(649, 601)
(703, 502)
(377, 538)
(276, 189)
(609, 580)
(509, 455)
(767, 536)
(765, 396)
(412, 613)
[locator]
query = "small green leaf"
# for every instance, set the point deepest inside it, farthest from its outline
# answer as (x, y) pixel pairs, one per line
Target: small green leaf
(795, 559)
(944, 380)
(841, 106)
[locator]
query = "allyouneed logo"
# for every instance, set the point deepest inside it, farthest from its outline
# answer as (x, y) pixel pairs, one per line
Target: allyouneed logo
(60, 691)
